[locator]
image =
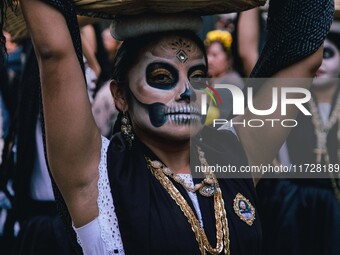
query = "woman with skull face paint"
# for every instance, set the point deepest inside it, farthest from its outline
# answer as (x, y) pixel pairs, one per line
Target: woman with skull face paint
(134, 203)
(303, 215)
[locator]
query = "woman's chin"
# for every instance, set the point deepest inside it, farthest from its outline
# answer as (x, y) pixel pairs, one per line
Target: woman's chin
(178, 132)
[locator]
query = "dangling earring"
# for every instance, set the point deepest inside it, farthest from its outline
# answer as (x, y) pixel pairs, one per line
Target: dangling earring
(126, 129)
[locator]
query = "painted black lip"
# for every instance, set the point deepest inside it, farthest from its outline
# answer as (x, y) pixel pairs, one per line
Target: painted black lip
(159, 113)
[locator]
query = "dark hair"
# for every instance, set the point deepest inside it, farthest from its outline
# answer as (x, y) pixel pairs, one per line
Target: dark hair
(130, 50)
(334, 38)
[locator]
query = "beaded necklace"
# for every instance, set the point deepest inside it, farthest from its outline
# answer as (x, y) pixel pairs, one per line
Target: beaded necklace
(321, 131)
(222, 231)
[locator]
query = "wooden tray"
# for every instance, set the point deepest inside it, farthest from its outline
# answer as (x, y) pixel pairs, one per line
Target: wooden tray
(15, 23)
(131, 7)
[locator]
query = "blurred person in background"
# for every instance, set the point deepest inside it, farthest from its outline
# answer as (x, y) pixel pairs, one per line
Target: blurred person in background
(7, 75)
(93, 34)
(111, 45)
(302, 216)
(41, 229)
(104, 110)
(103, 107)
(220, 69)
(226, 22)
(249, 38)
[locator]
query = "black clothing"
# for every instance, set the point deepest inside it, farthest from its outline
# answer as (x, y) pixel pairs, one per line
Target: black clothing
(151, 222)
(302, 216)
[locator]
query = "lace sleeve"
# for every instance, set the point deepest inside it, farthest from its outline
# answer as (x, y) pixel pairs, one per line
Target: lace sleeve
(108, 222)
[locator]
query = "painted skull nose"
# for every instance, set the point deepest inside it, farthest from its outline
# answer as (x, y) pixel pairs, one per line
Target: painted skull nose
(188, 94)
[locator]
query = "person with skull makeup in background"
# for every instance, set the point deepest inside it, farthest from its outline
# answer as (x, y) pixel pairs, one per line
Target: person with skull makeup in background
(302, 216)
(121, 194)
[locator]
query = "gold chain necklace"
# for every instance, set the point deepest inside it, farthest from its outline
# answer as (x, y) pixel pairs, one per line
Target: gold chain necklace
(321, 131)
(206, 187)
(222, 230)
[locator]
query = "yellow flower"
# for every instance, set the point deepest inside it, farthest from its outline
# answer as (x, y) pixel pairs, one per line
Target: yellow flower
(221, 36)
(213, 113)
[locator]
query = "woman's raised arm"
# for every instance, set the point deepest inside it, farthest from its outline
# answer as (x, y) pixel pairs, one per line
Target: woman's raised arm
(296, 30)
(72, 138)
(262, 144)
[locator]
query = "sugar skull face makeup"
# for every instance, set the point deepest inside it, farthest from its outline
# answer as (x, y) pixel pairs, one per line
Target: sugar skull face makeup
(162, 100)
(330, 67)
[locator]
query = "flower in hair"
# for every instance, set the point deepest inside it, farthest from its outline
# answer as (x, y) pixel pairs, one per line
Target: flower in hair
(220, 36)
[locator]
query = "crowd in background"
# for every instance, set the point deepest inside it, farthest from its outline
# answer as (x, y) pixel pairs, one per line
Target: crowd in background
(28, 217)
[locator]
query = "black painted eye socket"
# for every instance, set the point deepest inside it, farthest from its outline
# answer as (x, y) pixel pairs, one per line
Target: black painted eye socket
(198, 77)
(328, 53)
(198, 83)
(161, 76)
(198, 74)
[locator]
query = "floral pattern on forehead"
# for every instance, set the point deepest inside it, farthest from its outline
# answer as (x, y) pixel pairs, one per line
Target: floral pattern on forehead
(182, 47)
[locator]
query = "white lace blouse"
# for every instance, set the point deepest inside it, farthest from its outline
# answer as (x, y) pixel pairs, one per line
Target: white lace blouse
(102, 235)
